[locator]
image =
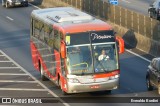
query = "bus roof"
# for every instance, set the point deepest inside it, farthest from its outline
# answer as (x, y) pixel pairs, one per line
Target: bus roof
(70, 19)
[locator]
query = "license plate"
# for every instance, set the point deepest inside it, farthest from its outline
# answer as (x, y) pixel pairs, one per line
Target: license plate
(95, 86)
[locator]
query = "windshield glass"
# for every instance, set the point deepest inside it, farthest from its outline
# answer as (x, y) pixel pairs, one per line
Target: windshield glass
(79, 59)
(91, 52)
(105, 57)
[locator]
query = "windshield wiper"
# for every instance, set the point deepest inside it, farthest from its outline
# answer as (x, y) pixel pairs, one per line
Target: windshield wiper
(100, 64)
(83, 73)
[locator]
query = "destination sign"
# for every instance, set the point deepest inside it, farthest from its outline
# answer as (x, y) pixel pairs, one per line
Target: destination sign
(90, 37)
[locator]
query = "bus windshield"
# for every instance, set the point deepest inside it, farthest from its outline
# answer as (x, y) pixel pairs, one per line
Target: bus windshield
(105, 58)
(91, 52)
(90, 59)
(79, 59)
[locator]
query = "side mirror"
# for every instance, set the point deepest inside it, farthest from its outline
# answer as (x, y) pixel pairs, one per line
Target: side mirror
(63, 49)
(120, 44)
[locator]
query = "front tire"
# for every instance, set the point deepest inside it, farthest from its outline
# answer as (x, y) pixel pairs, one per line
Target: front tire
(149, 86)
(60, 85)
(149, 13)
(43, 78)
(7, 5)
(26, 5)
(109, 91)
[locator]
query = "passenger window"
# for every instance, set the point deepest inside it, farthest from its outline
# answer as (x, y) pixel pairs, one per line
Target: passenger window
(158, 66)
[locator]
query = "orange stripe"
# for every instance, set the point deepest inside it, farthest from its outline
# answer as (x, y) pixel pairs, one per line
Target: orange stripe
(107, 74)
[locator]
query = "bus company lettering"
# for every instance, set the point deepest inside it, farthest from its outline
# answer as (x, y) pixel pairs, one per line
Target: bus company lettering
(96, 36)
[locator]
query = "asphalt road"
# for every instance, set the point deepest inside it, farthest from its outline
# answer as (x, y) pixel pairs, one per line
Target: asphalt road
(140, 6)
(22, 80)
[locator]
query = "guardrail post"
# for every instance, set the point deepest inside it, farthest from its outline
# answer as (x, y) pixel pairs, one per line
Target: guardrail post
(120, 15)
(125, 18)
(145, 26)
(151, 28)
(80, 5)
(89, 6)
(114, 13)
(132, 19)
(138, 22)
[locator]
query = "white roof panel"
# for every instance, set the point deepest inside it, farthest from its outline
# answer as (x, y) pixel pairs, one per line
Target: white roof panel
(62, 14)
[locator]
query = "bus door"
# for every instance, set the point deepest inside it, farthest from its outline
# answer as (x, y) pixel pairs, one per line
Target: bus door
(53, 42)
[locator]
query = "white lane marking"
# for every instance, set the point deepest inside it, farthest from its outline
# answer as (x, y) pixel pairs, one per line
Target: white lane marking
(126, 1)
(13, 74)
(5, 61)
(21, 89)
(8, 67)
(18, 81)
(139, 56)
(9, 18)
(45, 88)
(34, 6)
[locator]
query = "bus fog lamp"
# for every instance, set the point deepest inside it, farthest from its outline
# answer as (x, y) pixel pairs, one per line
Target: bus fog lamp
(114, 77)
(72, 80)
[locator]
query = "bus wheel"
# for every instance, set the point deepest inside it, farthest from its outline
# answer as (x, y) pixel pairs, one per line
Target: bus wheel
(108, 91)
(25, 4)
(149, 86)
(60, 85)
(7, 5)
(43, 78)
(149, 14)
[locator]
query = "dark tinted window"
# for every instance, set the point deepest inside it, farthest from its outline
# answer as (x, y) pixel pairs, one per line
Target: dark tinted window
(158, 65)
(90, 37)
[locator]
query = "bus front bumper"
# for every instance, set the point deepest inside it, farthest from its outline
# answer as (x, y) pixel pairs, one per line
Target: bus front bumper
(91, 87)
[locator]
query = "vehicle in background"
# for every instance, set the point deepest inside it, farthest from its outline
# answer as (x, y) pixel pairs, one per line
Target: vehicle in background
(153, 75)
(154, 10)
(65, 46)
(11, 3)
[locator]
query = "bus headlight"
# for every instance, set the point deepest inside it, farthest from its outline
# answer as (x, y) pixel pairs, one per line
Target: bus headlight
(114, 77)
(73, 80)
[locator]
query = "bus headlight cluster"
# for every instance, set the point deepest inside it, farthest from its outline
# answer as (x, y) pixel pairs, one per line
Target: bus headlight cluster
(73, 80)
(114, 77)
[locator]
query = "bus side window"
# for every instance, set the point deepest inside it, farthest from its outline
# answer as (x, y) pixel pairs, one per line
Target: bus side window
(32, 26)
(61, 35)
(41, 30)
(36, 29)
(56, 39)
(46, 33)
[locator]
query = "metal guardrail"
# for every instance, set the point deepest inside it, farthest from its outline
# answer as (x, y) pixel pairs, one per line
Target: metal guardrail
(126, 18)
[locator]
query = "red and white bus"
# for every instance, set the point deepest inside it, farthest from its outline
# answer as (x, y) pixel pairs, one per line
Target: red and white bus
(66, 46)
